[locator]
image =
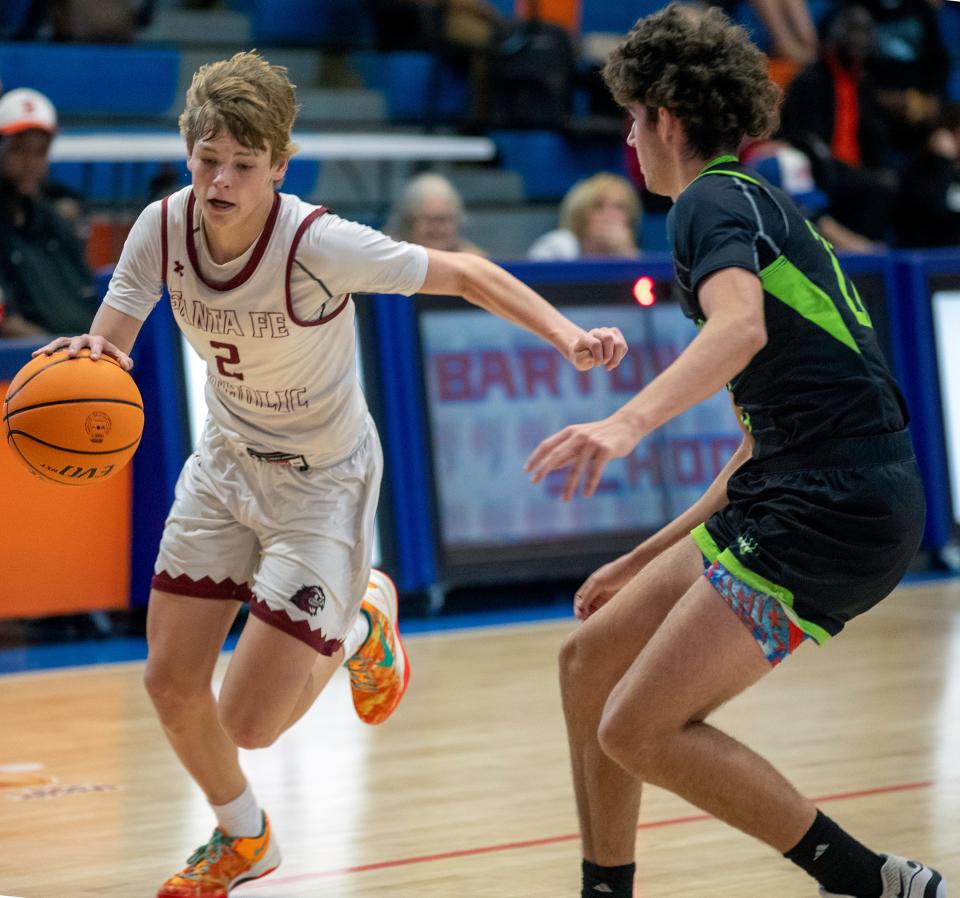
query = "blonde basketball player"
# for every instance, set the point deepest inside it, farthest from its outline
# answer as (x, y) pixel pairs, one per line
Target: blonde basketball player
(276, 506)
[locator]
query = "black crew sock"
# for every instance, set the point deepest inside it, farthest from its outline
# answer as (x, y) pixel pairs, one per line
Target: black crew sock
(838, 861)
(607, 882)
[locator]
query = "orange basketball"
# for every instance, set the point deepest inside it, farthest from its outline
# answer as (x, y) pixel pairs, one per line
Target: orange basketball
(73, 420)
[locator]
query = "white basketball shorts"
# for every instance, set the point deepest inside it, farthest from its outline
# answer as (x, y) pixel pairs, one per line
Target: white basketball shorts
(297, 544)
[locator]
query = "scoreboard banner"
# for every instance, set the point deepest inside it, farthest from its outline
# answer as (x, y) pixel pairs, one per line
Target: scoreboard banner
(495, 391)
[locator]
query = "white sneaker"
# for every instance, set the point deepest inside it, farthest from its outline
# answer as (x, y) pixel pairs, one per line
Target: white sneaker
(905, 879)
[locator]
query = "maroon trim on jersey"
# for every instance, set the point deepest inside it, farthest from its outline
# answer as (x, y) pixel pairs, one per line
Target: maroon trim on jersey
(323, 319)
(204, 588)
(298, 629)
(163, 240)
(241, 276)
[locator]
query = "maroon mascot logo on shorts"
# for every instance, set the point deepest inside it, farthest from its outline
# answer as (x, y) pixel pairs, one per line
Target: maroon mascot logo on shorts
(310, 599)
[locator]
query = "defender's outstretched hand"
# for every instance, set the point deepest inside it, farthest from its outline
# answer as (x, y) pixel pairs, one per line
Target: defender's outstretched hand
(600, 346)
(97, 346)
(585, 449)
(603, 584)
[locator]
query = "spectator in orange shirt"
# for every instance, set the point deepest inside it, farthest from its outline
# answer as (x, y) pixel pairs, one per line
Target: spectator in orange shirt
(832, 113)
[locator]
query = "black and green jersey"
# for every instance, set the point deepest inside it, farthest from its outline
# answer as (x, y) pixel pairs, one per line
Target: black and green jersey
(821, 374)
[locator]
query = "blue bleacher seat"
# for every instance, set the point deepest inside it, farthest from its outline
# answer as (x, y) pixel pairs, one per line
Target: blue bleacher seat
(550, 162)
(12, 14)
(101, 279)
(820, 8)
(94, 80)
(950, 35)
(417, 86)
(953, 85)
(746, 16)
(111, 182)
(338, 23)
(612, 15)
(302, 177)
(129, 182)
(504, 7)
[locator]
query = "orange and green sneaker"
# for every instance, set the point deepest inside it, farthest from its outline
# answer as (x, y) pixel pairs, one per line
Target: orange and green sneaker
(379, 671)
(223, 863)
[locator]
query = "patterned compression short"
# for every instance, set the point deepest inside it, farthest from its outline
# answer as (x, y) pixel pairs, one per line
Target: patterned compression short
(763, 615)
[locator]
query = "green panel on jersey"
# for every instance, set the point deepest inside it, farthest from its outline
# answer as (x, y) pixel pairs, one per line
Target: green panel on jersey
(855, 303)
(781, 278)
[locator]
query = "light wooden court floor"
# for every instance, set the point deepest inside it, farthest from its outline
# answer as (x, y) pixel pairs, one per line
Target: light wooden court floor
(466, 792)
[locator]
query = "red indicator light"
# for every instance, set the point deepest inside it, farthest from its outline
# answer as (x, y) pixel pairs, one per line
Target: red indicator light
(643, 291)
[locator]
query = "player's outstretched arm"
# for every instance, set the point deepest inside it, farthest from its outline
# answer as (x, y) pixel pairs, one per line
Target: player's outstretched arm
(490, 287)
(605, 582)
(112, 332)
(732, 300)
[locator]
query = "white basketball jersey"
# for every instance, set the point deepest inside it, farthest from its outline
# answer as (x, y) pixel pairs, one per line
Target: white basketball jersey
(276, 326)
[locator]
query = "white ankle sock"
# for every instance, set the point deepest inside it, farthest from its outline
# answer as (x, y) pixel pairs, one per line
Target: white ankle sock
(240, 817)
(357, 636)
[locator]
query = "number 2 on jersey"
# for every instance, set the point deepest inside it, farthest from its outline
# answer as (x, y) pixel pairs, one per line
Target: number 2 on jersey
(230, 357)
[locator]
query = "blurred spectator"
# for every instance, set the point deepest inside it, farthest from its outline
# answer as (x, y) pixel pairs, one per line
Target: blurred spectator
(789, 169)
(423, 24)
(47, 285)
(789, 23)
(108, 21)
(532, 70)
(70, 206)
(911, 66)
(791, 29)
(430, 212)
(929, 208)
(832, 113)
(460, 32)
(598, 217)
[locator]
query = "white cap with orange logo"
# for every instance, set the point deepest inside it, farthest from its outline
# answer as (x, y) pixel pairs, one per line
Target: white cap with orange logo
(24, 109)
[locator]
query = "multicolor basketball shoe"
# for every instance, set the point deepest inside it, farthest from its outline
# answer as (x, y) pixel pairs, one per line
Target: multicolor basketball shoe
(379, 671)
(223, 863)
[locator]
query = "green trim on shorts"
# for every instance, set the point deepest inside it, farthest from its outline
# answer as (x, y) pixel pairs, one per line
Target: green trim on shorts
(783, 595)
(701, 536)
(712, 552)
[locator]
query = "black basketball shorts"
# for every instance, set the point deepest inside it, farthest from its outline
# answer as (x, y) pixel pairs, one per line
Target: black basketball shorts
(827, 532)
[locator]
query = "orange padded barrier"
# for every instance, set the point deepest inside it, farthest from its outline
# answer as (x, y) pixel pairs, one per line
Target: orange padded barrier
(63, 549)
(106, 240)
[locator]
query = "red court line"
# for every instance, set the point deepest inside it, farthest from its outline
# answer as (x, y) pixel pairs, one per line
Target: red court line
(550, 840)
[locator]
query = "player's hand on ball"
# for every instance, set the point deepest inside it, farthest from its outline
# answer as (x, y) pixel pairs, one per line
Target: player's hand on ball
(600, 346)
(97, 346)
(583, 448)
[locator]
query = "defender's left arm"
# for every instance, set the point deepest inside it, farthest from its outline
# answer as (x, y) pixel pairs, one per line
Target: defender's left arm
(732, 301)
